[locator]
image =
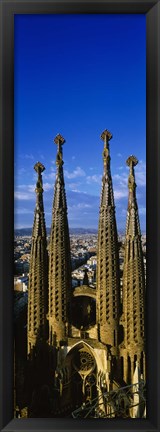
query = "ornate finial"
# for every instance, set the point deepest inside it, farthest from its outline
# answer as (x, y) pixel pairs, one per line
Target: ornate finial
(106, 136)
(132, 161)
(39, 168)
(59, 140)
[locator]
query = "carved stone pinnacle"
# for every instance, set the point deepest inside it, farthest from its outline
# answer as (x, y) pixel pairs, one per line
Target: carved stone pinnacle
(106, 134)
(132, 161)
(39, 167)
(59, 139)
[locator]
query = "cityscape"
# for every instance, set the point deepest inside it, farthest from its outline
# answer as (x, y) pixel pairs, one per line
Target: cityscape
(75, 297)
(80, 216)
(83, 256)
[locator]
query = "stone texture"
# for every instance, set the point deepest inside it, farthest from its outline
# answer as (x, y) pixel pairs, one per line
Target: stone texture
(59, 257)
(108, 288)
(38, 273)
(133, 346)
(87, 356)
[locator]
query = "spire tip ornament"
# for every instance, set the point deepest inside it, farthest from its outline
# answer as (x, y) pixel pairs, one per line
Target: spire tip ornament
(39, 168)
(132, 161)
(106, 135)
(59, 139)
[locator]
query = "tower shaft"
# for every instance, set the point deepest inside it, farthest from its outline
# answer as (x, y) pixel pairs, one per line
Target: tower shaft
(38, 271)
(59, 257)
(133, 286)
(107, 258)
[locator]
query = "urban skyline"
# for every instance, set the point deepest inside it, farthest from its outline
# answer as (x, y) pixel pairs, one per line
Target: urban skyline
(71, 87)
(84, 341)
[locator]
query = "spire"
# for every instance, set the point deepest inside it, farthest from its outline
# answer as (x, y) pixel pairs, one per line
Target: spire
(106, 136)
(59, 259)
(107, 198)
(38, 280)
(133, 225)
(107, 258)
(132, 348)
(59, 141)
(59, 195)
(39, 222)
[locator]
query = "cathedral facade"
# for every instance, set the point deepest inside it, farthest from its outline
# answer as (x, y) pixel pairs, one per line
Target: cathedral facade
(95, 336)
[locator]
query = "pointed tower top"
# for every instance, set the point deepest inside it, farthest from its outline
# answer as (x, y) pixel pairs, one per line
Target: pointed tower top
(132, 161)
(106, 135)
(59, 139)
(39, 222)
(38, 291)
(39, 168)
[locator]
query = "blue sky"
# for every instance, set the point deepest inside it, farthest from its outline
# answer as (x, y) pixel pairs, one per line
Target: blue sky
(78, 75)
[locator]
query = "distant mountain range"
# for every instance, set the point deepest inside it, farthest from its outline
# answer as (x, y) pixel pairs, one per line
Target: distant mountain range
(28, 231)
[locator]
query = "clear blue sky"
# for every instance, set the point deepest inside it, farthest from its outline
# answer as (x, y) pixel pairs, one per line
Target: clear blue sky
(78, 75)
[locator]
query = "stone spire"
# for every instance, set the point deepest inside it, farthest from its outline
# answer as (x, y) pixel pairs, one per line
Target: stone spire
(132, 348)
(59, 257)
(38, 271)
(107, 258)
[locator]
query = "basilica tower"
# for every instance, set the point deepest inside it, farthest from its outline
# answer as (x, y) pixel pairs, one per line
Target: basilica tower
(133, 346)
(108, 294)
(59, 257)
(38, 272)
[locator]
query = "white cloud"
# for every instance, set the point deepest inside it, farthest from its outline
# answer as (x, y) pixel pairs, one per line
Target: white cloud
(29, 156)
(79, 206)
(31, 188)
(78, 172)
(24, 196)
(121, 177)
(50, 176)
(119, 194)
(96, 178)
(26, 192)
(77, 209)
(74, 186)
(119, 155)
(76, 190)
(83, 205)
(140, 173)
(47, 186)
(22, 211)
